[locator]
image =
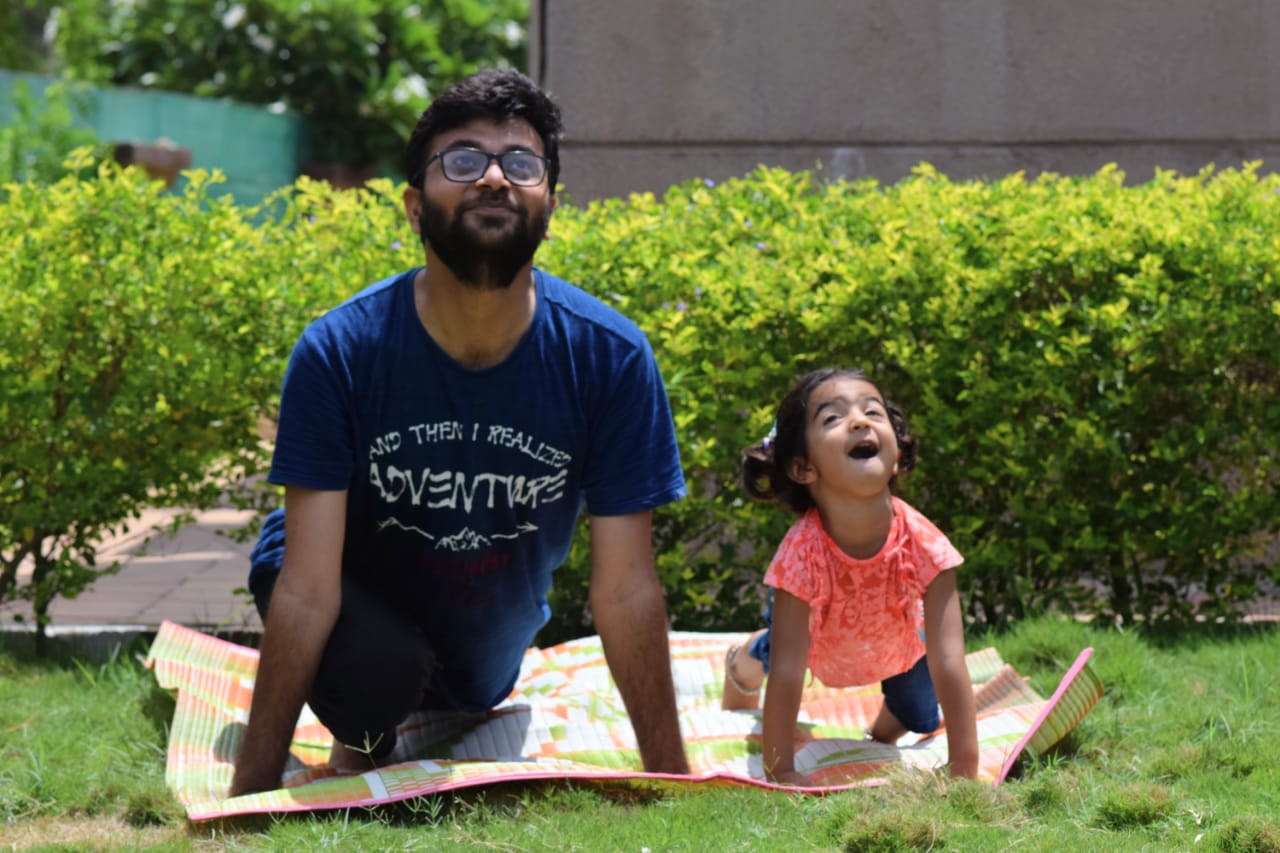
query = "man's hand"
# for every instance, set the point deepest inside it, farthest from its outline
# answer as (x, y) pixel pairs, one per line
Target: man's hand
(630, 616)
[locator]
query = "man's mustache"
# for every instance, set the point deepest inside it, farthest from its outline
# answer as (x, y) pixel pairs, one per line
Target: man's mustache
(494, 200)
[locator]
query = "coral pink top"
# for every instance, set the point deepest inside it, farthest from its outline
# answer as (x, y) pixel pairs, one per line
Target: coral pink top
(865, 616)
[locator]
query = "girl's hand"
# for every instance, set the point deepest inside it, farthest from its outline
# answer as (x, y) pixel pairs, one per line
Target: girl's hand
(944, 642)
(788, 657)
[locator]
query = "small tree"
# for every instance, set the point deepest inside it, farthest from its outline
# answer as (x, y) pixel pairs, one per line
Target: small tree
(364, 69)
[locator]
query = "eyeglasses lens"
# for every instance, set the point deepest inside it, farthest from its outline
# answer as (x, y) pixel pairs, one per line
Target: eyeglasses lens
(519, 167)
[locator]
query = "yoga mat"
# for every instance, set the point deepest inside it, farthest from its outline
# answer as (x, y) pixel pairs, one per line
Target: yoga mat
(565, 720)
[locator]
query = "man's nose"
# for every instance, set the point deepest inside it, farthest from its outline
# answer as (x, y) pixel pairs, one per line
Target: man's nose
(493, 174)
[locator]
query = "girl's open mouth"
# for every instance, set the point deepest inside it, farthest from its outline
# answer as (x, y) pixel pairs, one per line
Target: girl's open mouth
(864, 450)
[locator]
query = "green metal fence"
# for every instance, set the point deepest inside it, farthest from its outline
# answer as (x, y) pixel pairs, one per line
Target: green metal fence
(257, 149)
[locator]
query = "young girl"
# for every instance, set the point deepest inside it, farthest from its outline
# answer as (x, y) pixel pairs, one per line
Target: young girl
(849, 578)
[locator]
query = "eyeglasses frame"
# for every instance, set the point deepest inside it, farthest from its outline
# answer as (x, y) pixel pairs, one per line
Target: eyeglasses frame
(546, 165)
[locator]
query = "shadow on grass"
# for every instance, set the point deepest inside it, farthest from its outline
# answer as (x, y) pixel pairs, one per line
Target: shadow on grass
(1194, 635)
(157, 707)
(1069, 748)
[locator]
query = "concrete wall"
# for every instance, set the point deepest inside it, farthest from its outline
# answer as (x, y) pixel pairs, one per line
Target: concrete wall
(662, 91)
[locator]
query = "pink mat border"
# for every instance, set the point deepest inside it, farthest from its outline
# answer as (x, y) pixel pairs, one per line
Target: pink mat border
(1076, 668)
(720, 777)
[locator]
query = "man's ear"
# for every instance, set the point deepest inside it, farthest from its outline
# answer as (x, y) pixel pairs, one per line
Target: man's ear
(413, 207)
(801, 471)
(552, 201)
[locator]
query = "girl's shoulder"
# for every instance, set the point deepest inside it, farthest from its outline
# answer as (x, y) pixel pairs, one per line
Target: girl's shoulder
(805, 532)
(913, 519)
(926, 537)
(800, 548)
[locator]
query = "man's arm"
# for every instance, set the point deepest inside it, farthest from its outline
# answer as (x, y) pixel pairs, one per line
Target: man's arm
(304, 607)
(630, 616)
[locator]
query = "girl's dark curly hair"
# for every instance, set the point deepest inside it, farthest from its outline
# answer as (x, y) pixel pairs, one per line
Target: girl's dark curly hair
(494, 94)
(765, 464)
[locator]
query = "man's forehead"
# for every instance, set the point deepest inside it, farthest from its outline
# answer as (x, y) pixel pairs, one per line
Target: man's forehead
(491, 135)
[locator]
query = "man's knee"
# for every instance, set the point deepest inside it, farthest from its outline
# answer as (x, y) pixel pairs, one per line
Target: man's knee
(373, 673)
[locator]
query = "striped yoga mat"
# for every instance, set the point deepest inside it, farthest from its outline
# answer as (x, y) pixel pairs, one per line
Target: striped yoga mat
(565, 721)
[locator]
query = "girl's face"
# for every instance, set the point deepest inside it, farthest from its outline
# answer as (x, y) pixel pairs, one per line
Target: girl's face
(852, 449)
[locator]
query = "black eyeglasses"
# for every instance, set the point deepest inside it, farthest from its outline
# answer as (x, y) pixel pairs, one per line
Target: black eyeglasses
(465, 165)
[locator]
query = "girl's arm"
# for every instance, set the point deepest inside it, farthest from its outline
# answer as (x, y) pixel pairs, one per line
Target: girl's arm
(944, 644)
(788, 659)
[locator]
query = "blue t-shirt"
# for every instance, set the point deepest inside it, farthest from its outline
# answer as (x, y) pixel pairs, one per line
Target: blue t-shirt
(464, 486)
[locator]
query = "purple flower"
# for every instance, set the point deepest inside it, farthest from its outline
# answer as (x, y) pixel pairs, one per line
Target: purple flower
(681, 306)
(761, 245)
(311, 218)
(697, 291)
(746, 223)
(396, 245)
(708, 183)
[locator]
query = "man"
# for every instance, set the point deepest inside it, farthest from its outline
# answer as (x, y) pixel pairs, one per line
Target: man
(438, 434)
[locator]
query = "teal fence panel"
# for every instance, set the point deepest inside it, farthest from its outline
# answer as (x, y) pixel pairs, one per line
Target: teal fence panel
(256, 148)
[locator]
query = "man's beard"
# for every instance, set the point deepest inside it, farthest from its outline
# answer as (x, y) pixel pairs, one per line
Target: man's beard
(484, 264)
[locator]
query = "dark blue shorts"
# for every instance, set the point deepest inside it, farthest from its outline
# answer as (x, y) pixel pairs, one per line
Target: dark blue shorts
(909, 696)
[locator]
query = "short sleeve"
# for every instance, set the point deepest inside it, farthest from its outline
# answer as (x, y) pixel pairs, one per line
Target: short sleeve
(633, 461)
(794, 565)
(314, 439)
(932, 550)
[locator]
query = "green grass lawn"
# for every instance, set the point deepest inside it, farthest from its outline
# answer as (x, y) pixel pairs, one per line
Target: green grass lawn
(1181, 754)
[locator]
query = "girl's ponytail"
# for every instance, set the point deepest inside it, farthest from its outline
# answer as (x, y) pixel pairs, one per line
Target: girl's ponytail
(764, 464)
(758, 470)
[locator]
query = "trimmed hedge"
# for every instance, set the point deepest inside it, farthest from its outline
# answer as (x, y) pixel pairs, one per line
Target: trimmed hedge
(1090, 367)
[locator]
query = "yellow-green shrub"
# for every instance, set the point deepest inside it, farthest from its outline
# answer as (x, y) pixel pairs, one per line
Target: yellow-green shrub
(1090, 367)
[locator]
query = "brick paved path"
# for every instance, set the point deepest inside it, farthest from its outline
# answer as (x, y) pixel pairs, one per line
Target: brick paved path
(188, 577)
